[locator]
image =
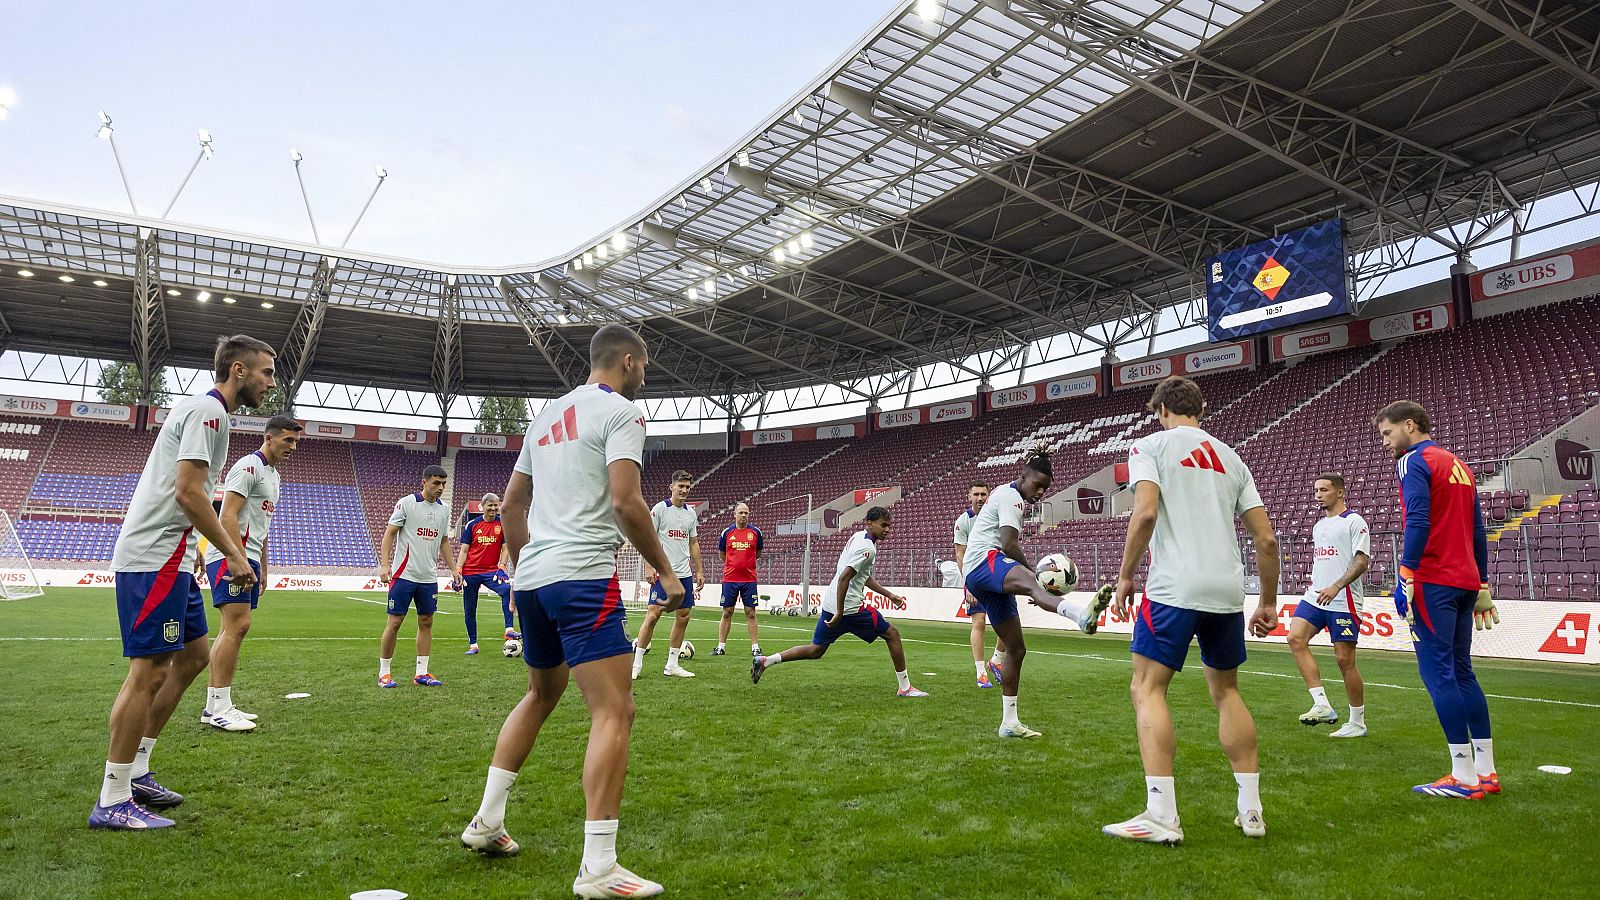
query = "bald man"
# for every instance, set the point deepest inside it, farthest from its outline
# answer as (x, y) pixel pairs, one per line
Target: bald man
(740, 547)
(482, 561)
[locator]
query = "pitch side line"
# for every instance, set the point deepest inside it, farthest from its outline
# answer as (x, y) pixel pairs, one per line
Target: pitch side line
(385, 604)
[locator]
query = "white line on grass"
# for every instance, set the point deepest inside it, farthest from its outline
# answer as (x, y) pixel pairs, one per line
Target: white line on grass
(385, 603)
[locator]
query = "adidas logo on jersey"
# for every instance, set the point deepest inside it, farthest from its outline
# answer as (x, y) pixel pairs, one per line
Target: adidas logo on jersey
(1205, 457)
(214, 424)
(564, 430)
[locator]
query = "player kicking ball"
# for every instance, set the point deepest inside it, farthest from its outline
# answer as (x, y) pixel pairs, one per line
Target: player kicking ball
(1342, 551)
(844, 609)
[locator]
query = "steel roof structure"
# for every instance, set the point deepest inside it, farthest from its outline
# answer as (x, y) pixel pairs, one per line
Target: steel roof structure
(953, 189)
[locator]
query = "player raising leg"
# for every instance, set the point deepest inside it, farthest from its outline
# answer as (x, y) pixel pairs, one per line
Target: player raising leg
(844, 609)
(989, 671)
(678, 534)
(482, 563)
(1342, 551)
(740, 547)
(420, 526)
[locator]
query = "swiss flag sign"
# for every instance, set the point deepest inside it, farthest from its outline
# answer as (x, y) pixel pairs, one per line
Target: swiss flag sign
(1571, 635)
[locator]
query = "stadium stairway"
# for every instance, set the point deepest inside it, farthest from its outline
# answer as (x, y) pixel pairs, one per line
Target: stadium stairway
(1550, 502)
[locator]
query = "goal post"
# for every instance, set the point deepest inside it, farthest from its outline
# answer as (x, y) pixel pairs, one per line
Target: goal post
(630, 576)
(18, 581)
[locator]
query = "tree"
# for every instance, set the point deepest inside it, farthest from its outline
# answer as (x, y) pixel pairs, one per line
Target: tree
(271, 405)
(119, 383)
(502, 415)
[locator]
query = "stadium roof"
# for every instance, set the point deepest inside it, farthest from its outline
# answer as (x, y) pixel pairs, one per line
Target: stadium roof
(1004, 171)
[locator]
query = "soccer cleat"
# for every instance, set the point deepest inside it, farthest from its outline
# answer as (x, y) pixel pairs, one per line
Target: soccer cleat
(1251, 824)
(994, 670)
(718, 651)
(1089, 622)
(229, 720)
(1319, 714)
(150, 793)
(426, 680)
(617, 882)
(386, 681)
(636, 674)
(756, 668)
(1018, 730)
(677, 672)
(984, 682)
(488, 841)
(1146, 830)
(1350, 729)
(472, 650)
(205, 715)
(513, 635)
(1490, 783)
(126, 816)
(1449, 787)
(911, 692)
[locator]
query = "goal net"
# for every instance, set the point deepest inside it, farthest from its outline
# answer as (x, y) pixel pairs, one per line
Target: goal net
(630, 575)
(18, 581)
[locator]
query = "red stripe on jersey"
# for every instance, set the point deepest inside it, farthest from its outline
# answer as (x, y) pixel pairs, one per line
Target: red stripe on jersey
(164, 579)
(403, 560)
(570, 417)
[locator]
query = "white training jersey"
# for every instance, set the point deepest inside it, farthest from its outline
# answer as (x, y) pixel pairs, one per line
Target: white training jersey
(859, 554)
(156, 535)
(963, 528)
(1004, 507)
(949, 574)
(1335, 541)
(676, 527)
(423, 526)
(256, 480)
(572, 533)
(1194, 554)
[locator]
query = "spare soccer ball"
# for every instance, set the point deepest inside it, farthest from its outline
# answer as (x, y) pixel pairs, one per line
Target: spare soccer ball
(511, 648)
(1057, 573)
(687, 650)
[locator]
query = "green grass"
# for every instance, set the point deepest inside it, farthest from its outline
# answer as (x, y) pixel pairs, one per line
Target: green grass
(817, 783)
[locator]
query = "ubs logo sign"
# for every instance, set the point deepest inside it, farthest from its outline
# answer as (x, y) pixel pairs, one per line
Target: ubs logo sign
(1091, 502)
(1574, 461)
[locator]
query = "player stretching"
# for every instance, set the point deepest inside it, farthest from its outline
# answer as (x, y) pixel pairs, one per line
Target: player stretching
(1342, 552)
(482, 563)
(1442, 591)
(843, 609)
(740, 547)
(977, 494)
(677, 531)
(420, 525)
(1188, 488)
(159, 606)
(575, 484)
(248, 504)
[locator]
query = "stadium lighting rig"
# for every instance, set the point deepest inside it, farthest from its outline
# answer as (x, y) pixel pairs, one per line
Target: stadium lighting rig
(299, 158)
(109, 135)
(382, 174)
(205, 154)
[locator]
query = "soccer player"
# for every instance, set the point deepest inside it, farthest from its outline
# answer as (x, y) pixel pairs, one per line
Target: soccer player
(996, 570)
(977, 494)
(1342, 551)
(677, 532)
(576, 483)
(420, 526)
(1443, 591)
(1188, 488)
(844, 609)
(482, 563)
(740, 547)
(249, 501)
(159, 607)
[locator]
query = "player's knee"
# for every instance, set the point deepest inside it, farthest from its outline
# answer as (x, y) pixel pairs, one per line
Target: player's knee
(424, 623)
(1298, 641)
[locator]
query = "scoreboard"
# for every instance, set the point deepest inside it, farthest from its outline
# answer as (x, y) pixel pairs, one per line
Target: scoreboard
(1290, 279)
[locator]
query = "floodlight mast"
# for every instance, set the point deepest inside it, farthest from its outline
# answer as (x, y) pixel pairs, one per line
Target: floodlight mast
(205, 153)
(109, 134)
(297, 157)
(382, 174)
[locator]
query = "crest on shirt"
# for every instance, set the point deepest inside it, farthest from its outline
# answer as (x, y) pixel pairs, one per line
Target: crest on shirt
(169, 631)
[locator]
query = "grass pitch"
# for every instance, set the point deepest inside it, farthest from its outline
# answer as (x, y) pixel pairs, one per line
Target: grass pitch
(817, 783)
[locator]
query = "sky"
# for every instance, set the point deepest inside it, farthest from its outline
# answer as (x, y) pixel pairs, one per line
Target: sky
(511, 132)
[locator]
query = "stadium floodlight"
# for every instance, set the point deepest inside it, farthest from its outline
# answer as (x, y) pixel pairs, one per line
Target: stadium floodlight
(266, 304)
(778, 254)
(577, 263)
(619, 242)
(229, 300)
(601, 251)
(382, 174)
(930, 12)
(692, 294)
(806, 240)
(709, 285)
(588, 258)
(793, 247)
(66, 278)
(174, 292)
(205, 153)
(25, 273)
(706, 184)
(298, 158)
(203, 296)
(99, 282)
(108, 134)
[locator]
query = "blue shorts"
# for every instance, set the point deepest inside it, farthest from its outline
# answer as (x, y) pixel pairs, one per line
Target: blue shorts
(733, 591)
(987, 585)
(1162, 633)
(867, 624)
(572, 622)
(490, 580)
(658, 594)
(159, 612)
(1343, 625)
(219, 588)
(402, 592)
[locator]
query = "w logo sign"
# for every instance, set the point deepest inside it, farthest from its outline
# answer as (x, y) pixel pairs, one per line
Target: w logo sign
(564, 430)
(1574, 460)
(1204, 457)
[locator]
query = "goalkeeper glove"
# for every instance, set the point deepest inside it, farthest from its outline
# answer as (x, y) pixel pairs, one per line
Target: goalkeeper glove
(1484, 615)
(1404, 591)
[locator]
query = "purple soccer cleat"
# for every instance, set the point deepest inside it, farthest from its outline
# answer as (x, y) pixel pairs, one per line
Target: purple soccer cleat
(126, 816)
(149, 793)
(426, 680)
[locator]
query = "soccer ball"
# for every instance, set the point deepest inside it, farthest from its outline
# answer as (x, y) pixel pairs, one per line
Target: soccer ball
(1057, 573)
(511, 648)
(687, 650)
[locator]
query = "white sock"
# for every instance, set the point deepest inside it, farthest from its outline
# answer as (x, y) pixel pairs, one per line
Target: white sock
(1358, 715)
(1071, 610)
(756, 649)
(903, 679)
(141, 758)
(1008, 711)
(1319, 695)
(496, 789)
(1483, 754)
(722, 645)
(638, 658)
(1249, 791)
(1161, 798)
(220, 700)
(383, 667)
(998, 657)
(980, 667)
(672, 657)
(599, 845)
(768, 662)
(422, 665)
(1461, 763)
(117, 785)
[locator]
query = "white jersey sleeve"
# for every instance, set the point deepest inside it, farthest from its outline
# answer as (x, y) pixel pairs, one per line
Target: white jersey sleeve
(963, 529)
